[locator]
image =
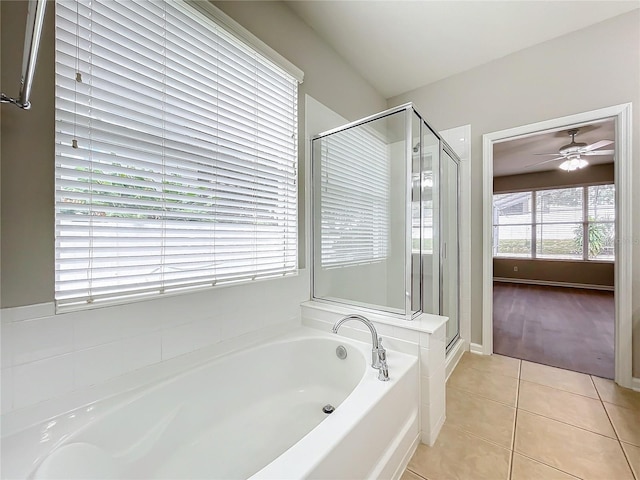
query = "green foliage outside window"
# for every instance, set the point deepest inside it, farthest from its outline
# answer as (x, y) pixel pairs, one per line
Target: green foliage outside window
(599, 236)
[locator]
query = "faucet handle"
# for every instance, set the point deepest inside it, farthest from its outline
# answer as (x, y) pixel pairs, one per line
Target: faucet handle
(379, 356)
(382, 352)
(383, 370)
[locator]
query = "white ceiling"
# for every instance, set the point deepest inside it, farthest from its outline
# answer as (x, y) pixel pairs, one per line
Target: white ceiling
(399, 46)
(518, 156)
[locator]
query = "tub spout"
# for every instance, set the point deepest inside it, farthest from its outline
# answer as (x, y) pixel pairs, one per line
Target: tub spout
(378, 353)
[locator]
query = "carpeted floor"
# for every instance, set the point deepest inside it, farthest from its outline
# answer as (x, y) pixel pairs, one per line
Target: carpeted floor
(563, 327)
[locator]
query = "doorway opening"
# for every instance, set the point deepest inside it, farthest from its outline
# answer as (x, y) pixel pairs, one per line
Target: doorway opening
(548, 241)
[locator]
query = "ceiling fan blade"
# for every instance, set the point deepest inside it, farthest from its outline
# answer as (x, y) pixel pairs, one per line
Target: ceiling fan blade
(546, 161)
(601, 143)
(554, 154)
(599, 152)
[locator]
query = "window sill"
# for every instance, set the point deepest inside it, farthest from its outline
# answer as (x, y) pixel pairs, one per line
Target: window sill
(572, 260)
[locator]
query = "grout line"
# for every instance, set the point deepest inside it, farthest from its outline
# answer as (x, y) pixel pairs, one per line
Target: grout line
(416, 473)
(615, 430)
(476, 393)
(487, 372)
(596, 389)
(606, 412)
(559, 421)
(610, 402)
(562, 389)
(510, 473)
(624, 453)
(616, 405)
(515, 417)
(563, 422)
(479, 437)
(515, 420)
(547, 465)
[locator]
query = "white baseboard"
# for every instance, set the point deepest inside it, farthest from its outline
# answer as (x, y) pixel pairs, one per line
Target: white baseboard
(476, 348)
(433, 436)
(554, 284)
(453, 357)
(635, 384)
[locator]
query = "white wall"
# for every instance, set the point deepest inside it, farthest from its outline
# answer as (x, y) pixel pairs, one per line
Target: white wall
(328, 78)
(45, 355)
(592, 68)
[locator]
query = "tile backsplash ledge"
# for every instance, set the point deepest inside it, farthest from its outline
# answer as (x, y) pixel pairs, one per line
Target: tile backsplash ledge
(47, 355)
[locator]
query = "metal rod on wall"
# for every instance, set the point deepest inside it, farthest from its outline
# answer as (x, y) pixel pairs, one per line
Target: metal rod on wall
(35, 21)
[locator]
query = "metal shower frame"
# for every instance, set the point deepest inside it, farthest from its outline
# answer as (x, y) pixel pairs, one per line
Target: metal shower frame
(408, 108)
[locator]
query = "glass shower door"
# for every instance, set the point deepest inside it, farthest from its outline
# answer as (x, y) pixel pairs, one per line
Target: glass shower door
(385, 217)
(360, 192)
(450, 272)
(428, 211)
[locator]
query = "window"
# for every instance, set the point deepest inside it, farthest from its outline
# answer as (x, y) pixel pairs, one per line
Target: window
(354, 198)
(176, 153)
(512, 224)
(558, 219)
(566, 224)
(600, 227)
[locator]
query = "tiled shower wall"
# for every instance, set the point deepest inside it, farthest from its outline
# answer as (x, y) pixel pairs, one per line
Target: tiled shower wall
(45, 355)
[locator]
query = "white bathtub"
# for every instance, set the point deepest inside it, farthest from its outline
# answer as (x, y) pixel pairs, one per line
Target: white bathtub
(253, 414)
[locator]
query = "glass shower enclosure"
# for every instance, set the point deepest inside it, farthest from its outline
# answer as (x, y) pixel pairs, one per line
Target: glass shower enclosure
(385, 217)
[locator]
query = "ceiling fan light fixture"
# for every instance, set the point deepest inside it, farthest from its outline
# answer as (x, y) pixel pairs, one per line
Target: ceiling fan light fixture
(572, 153)
(573, 163)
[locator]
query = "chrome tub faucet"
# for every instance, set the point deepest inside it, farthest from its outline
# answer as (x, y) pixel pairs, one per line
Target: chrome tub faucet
(378, 353)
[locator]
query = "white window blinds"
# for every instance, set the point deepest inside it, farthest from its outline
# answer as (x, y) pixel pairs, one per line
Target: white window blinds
(354, 198)
(512, 224)
(563, 223)
(559, 222)
(176, 153)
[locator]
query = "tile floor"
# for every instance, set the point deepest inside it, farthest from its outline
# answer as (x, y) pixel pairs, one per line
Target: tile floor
(512, 419)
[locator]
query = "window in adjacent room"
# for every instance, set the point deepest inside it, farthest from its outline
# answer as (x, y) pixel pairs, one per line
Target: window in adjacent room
(512, 224)
(176, 153)
(564, 224)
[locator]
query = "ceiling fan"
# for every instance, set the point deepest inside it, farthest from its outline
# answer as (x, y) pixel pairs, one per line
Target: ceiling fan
(573, 152)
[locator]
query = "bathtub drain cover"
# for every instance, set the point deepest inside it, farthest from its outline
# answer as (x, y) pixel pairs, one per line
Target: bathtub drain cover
(328, 409)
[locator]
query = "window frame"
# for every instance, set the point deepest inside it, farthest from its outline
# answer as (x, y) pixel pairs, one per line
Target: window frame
(585, 223)
(208, 17)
